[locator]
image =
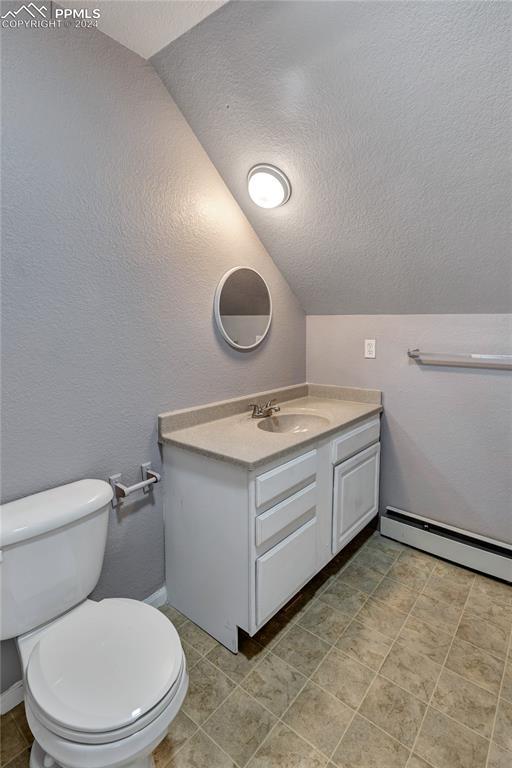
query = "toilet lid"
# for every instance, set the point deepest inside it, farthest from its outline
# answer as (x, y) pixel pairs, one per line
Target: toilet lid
(104, 665)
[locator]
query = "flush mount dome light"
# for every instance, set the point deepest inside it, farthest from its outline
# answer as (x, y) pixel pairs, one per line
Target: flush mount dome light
(268, 186)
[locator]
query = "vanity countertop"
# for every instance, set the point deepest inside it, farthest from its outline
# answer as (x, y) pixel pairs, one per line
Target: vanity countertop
(226, 431)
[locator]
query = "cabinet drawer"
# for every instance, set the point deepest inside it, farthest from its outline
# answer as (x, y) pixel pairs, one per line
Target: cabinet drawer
(285, 478)
(283, 569)
(282, 517)
(355, 440)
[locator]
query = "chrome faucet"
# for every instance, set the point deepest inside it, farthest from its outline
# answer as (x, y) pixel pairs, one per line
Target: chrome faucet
(262, 411)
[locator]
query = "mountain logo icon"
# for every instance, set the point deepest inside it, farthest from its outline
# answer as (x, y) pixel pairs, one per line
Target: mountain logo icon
(31, 9)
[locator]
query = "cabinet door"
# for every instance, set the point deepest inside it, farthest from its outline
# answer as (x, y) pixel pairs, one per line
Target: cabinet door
(356, 495)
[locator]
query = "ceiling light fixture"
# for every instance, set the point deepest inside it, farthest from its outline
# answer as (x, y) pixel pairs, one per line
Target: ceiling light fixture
(268, 186)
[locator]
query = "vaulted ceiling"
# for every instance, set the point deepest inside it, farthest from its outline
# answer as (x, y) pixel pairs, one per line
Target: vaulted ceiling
(392, 121)
(146, 26)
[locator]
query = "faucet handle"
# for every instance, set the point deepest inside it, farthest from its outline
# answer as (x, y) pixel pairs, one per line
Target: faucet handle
(255, 408)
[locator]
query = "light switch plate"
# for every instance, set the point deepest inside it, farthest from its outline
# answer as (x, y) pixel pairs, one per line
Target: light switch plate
(369, 348)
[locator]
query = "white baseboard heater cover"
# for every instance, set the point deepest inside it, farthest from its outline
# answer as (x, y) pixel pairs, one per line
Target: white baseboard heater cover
(491, 557)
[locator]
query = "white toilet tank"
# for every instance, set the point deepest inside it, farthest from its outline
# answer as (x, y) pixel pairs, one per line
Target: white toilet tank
(51, 552)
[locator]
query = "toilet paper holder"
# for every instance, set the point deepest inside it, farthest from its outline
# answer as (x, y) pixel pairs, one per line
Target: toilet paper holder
(121, 491)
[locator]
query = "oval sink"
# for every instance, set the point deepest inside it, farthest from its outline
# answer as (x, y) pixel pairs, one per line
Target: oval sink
(293, 422)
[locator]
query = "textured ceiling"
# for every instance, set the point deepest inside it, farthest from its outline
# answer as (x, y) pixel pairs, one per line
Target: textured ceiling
(146, 26)
(392, 121)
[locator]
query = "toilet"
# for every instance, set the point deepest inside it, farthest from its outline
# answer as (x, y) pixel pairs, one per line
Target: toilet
(103, 679)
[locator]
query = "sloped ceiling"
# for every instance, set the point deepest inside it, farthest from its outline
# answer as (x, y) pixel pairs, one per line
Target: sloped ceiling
(146, 26)
(392, 121)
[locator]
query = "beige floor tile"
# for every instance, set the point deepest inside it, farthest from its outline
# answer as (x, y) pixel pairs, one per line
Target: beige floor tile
(178, 733)
(498, 757)
(322, 579)
(487, 636)
(395, 594)
(324, 621)
(196, 637)
(272, 632)
(364, 644)
(419, 560)
(495, 590)
(437, 613)
(343, 598)
(239, 726)
(503, 729)
(506, 689)
(208, 687)
(362, 577)
(237, 665)
(191, 655)
(301, 649)
(319, 717)
(344, 677)
(498, 613)
(408, 574)
(173, 615)
(456, 572)
(285, 749)
(394, 710)
(388, 621)
(389, 546)
(446, 589)
(411, 670)
(274, 684)
(201, 752)
(20, 718)
(417, 762)
(466, 702)
(420, 637)
(366, 746)
(375, 559)
(445, 744)
(476, 665)
(12, 742)
(22, 760)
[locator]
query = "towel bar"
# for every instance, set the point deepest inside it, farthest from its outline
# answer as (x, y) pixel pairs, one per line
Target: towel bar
(503, 362)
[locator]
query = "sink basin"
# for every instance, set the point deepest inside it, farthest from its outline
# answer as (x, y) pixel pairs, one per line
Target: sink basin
(295, 423)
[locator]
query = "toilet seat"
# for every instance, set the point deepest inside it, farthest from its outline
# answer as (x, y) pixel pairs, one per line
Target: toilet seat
(104, 671)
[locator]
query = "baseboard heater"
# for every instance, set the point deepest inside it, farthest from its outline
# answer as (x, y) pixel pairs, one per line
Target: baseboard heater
(488, 556)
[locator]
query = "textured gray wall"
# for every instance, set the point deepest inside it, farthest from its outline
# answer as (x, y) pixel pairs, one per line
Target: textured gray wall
(393, 122)
(447, 432)
(116, 230)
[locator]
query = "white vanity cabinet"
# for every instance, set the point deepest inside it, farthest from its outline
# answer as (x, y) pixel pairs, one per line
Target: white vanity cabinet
(240, 542)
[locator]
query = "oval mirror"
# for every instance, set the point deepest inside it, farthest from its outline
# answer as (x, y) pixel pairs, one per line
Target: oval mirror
(243, 308)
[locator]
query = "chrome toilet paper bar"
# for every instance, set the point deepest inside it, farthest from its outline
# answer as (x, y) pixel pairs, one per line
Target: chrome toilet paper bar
(121, 491)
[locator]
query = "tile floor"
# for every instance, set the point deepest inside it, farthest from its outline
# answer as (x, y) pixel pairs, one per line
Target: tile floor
(389, 658)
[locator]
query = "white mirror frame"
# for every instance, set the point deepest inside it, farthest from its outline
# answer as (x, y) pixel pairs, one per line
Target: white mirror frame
(218, 318)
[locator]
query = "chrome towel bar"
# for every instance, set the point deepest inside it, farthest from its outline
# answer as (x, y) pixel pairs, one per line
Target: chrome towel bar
(503, 362)
(121, 491)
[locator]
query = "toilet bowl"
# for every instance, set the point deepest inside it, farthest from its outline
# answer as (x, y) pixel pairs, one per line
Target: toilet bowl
(102, 684)
(103, 680)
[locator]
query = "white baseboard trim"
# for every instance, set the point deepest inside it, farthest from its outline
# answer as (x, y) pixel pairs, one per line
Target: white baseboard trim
(158, 598)
(14, 695)
(11, 697)
(462, 553)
